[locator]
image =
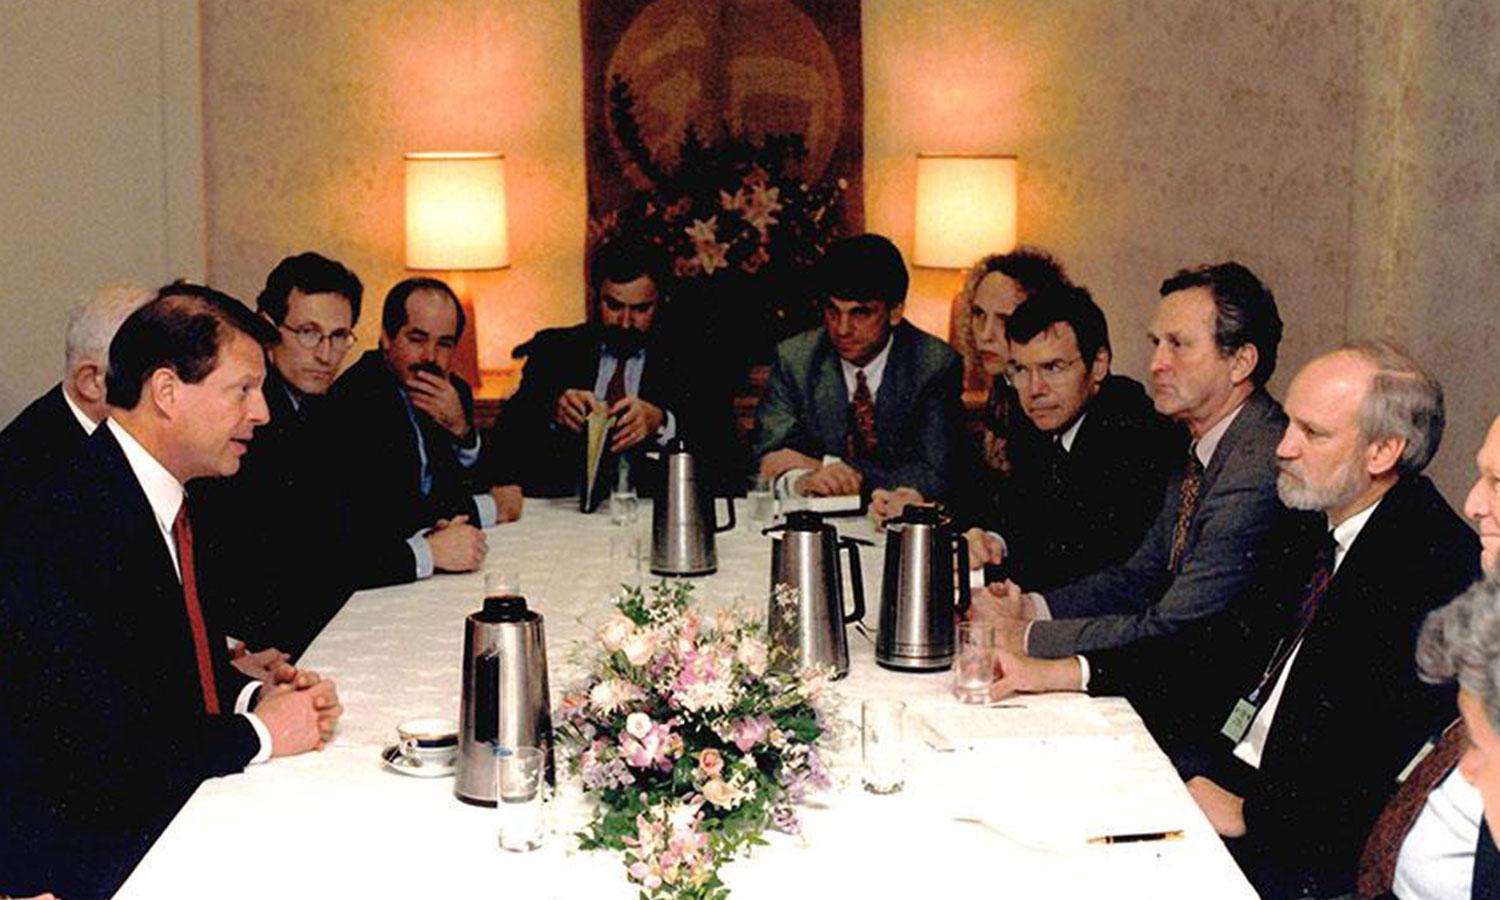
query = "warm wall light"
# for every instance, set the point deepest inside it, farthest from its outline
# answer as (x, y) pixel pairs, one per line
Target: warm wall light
(455, 211)
(966, 208)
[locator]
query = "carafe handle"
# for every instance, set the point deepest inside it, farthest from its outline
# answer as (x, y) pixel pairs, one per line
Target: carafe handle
(729, 502)
(856, 578)
(964, 594)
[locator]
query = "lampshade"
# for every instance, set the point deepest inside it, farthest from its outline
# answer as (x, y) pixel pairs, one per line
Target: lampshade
(966, 208)
(455, 211)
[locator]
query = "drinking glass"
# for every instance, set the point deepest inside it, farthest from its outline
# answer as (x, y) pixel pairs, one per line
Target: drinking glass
(761, 501)
(973, 661)
(518, 777)
(624, 508)
(502, 583)
(883, 745)
(625, 556)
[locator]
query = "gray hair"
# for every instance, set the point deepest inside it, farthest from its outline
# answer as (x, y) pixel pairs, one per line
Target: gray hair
(1462, 641)
(1403, 402)
(93, 323)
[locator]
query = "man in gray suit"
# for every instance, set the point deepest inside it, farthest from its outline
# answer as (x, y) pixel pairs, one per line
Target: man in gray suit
(868, 401)
(1215, 334)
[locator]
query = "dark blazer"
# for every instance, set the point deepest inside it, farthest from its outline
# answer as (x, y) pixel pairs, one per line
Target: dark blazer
(102, 730)
(34, 444)
(806, 408)
(1065, 514)
(526, 448)
(1486, 866)
(369, 442)
(284, 553)
(1237, 511)
(1353, 711)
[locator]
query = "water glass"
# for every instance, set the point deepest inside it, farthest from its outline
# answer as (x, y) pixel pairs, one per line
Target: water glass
(624, 506)
(761, 501)
(518, 777)
(973, 661)
(883, 745)
(626, 556)
(502, 583)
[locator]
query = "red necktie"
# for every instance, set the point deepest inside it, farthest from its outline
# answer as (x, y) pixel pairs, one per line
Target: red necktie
(862, 439)
(1377, 865)
(182, 532)
(616, 387)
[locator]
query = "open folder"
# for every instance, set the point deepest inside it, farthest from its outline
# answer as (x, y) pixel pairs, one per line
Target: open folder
(595, 485)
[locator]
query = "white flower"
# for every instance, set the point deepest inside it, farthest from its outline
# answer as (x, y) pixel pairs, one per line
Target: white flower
(639, 647)
(752, 654)
(638, 724)
(614, 632)
(612, 695)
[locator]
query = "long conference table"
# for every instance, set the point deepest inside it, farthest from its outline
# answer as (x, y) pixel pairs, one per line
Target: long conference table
(1006, 808)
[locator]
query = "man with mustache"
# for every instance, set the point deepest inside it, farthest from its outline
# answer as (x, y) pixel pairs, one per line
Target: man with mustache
(866, 402)
(399, 428)
(616, 365)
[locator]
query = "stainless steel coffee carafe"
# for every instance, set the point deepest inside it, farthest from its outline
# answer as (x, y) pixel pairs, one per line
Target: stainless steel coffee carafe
(682, 519)
(926, 566)
(505, 698)
(805, 556)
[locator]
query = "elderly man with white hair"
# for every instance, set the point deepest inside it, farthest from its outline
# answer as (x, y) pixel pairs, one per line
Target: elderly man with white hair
(54, 426)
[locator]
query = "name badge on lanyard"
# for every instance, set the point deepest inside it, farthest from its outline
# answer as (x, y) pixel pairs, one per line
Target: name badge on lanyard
(1239, 720)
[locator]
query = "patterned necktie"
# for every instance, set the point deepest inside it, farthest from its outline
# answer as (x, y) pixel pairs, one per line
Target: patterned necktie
(1187, 504)
(1377, 864)
(182, 533)
(862, 439)
(616, 387)
(1317, 582)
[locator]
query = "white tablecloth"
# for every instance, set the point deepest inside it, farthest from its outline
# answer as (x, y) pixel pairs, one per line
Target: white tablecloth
(1007, 814)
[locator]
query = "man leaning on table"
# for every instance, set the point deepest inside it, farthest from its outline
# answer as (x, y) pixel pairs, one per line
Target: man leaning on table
(1291, 713)
(867, 401)
(402, 426)
(1433, 840)
(119, 696)
(1215, 333)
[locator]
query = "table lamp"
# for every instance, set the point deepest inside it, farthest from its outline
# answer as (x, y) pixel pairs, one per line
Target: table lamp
(455, 223)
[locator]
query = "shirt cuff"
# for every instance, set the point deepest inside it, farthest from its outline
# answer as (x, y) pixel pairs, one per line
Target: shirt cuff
(423, 553)
(786, 483)
(1083, 672)
(246, 697)
(468, 456)
(263, 734)
(668, 429)
(489, 513)
(1041, 612)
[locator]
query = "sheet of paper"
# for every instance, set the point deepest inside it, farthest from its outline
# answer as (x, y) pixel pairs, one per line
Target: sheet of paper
(596, 427)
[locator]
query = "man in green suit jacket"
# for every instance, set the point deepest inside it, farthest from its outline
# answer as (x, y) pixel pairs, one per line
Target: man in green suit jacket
(867, 401)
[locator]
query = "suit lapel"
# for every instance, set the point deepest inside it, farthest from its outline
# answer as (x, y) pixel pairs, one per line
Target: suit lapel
(893, 398)
(829, 393)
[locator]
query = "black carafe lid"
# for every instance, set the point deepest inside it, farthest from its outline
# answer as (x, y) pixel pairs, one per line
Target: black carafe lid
(505, 608)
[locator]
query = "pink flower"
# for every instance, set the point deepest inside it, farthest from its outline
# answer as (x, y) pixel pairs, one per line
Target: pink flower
(753, 655)
(749, 731)
(711, 761)
(721, 794)
(638, 724)
(612, 634)
(639, 647)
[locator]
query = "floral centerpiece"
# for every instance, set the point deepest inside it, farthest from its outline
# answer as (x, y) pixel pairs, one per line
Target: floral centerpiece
(694, 736)
(728, 206)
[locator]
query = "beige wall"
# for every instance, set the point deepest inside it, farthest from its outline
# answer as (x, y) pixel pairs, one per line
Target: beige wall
(309, 108)
(1346, 150)
(102, 178)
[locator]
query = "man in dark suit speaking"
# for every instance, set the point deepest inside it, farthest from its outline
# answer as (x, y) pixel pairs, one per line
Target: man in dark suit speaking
(868, 401)
(119, 695)
(52, 428)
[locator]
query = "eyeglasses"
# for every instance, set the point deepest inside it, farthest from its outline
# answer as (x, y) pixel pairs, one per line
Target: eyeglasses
(1051, 371)
(312, 337)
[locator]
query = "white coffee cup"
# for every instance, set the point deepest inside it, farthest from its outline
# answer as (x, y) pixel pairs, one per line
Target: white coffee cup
(429, 742)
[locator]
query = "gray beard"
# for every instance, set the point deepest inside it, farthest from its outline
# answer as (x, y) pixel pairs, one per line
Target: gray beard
(1348, 481)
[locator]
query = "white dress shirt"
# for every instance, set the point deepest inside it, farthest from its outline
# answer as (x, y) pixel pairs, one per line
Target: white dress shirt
(164, 493)
(88, 425)
(785, 484)
(1436, 861)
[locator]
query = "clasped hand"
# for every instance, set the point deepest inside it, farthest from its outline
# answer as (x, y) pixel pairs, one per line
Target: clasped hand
(637, 419)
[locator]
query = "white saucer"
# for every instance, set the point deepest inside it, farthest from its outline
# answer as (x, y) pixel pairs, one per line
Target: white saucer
(394, 761)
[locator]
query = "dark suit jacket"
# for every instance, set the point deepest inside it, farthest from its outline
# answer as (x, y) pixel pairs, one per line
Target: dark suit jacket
(1353, 711)
(526, 448)
(1065, 514)
(806, 408)
(1486, 866)
(1237, 511)
(284, 552)
(369, 441)
(34, 444)
(102, 730)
